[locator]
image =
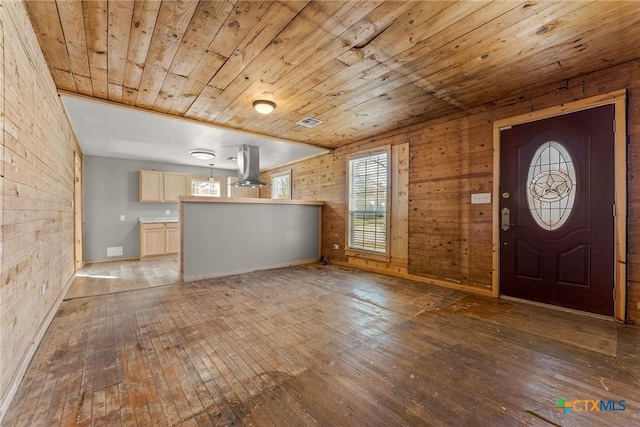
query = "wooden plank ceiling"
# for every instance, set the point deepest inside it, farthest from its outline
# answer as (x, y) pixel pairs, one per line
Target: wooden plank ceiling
(363, 68)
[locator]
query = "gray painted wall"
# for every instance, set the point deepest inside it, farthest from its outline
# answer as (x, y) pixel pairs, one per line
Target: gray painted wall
(230, 238)
(111, 190)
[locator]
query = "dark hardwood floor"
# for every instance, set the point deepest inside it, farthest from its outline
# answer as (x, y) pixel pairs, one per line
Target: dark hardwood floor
(328, 346)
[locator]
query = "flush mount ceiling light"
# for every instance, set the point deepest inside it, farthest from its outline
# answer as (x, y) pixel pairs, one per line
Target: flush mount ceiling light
(263, 106)
(202, 154)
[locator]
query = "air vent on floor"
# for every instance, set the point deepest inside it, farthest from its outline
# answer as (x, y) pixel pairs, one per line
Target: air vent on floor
(309, 122)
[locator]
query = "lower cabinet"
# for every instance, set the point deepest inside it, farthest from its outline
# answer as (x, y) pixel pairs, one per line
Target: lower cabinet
(172, 237)
(159, 238)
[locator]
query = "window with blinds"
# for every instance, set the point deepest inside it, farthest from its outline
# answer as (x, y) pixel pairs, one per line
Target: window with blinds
(368, 202)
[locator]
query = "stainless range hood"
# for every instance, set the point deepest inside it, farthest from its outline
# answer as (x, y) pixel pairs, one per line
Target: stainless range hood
(249, 167)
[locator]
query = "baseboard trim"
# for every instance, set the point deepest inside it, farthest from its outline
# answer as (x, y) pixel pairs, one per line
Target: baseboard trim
(105, 261)
(187, 279)
(16, 379)
(435, 282)
(450, 285)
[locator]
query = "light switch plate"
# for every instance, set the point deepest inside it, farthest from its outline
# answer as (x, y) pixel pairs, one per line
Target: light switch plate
(122, 217)
(480, 198)
(167, 212)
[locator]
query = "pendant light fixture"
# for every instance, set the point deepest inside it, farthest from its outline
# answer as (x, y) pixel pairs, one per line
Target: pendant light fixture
(211, 179)
(263, 106)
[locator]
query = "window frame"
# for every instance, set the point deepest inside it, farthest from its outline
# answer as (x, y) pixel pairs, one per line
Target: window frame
(357, 251)
(204, 178)
(286, 173)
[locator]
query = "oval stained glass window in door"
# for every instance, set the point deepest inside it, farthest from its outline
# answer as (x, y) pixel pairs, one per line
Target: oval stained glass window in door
(552, 185)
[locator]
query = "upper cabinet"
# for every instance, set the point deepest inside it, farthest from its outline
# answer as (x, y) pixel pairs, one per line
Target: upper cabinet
(151, 186)
(175, 185)
(156, 186)
(233, 191)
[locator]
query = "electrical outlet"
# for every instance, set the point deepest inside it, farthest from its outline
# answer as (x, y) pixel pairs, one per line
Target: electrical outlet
(336, 247)
(122, 217)
(167, 212)
(43, 288)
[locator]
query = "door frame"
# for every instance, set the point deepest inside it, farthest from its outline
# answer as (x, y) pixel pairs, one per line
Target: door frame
(618, 99)
(77, 211)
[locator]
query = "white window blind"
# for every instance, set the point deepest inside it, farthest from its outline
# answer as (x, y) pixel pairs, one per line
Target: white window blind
(368, 200)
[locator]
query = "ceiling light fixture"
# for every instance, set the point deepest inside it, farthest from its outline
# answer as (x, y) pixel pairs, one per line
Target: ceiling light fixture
(202, 154)
(263, 106)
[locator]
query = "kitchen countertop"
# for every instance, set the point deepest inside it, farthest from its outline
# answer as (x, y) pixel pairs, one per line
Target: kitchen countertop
(249, 200)
(158, 219)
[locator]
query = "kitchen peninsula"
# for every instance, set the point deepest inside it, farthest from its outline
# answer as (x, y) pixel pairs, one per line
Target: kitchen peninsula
(224, 236)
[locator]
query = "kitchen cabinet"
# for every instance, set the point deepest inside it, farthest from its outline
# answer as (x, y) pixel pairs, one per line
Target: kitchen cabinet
(159, 238)
(152, 239)
(172, 237)
(151, 186)
(241, 191)
(156, 186)
(175, 185)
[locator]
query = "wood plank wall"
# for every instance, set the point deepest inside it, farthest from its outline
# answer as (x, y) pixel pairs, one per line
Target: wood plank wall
(324, 178)
(449, 240)
(37, 188)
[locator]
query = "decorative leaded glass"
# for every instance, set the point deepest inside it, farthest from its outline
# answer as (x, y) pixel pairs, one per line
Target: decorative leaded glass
(552, 185)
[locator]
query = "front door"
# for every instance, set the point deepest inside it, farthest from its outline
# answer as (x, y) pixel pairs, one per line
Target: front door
(557, 210)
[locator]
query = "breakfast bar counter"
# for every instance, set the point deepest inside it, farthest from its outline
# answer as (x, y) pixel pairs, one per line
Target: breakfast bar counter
(224, 236)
